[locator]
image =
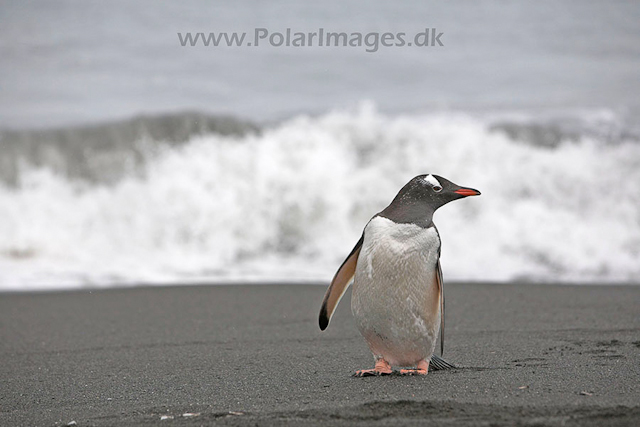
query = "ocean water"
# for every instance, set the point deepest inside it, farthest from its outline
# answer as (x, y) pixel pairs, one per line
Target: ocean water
(126, 158)
(560, 201)
(87, 61)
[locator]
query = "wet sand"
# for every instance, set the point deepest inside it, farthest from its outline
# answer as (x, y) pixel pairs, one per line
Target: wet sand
(254, 355)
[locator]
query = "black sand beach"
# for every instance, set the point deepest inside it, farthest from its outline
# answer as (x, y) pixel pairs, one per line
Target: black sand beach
(253, 355)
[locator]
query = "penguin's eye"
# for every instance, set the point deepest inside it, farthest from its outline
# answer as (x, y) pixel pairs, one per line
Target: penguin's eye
(437, 188)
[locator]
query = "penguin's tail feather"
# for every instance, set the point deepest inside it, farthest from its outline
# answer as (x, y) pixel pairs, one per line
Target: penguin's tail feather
(439, 364)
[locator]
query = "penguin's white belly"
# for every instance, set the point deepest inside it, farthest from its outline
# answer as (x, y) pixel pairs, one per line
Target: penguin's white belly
(396, 300)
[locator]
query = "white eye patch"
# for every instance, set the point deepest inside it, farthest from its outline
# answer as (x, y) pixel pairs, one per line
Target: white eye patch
(432, 181)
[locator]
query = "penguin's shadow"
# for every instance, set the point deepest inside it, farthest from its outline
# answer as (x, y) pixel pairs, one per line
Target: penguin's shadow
(433, 370)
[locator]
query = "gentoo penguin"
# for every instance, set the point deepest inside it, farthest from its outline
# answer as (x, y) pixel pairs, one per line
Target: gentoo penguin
(398, 295)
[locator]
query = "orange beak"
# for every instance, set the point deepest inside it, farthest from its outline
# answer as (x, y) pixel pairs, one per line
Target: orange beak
(467, 192)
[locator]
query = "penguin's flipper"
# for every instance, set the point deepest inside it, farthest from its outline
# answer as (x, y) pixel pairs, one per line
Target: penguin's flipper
(339, 285)
(441, 287)
(438, 364)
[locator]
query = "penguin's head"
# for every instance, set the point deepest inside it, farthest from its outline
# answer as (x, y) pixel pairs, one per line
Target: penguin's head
(436, 190)
(421, 196)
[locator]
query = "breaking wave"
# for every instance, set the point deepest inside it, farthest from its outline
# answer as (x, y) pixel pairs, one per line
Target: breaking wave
(560, 197)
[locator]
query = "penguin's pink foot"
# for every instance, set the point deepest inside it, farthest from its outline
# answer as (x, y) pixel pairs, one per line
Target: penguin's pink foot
(421, 369)
(382, 367)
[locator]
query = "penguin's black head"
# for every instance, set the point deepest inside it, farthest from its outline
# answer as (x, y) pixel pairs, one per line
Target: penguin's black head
(435, 190)
(419, 198)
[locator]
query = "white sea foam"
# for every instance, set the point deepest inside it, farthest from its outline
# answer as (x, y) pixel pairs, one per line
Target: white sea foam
(290, 203)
